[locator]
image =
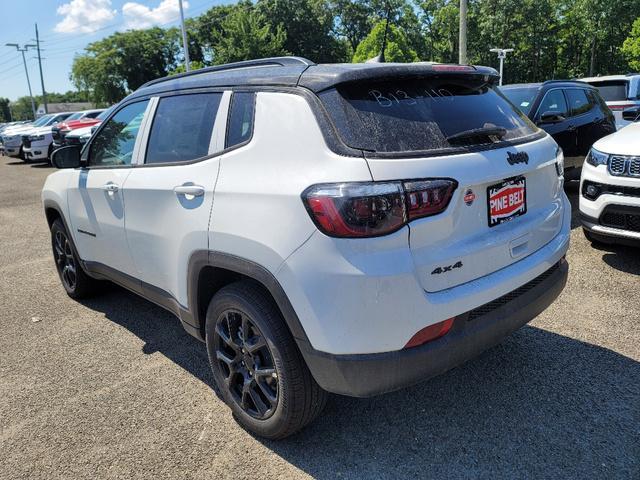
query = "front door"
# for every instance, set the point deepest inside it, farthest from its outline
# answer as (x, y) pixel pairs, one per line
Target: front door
(95, 196)
(562, 132)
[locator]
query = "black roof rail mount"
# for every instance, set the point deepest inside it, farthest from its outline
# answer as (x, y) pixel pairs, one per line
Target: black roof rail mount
(262, 62)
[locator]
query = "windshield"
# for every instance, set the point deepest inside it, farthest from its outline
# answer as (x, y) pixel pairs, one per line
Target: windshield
(521, 97)
(612, 90)
(42, 120)
(426, 114)
(74, 116)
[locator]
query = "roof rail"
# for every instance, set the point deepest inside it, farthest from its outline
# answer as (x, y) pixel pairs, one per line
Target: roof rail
(632, 74)
(562, 81)
(262, 62)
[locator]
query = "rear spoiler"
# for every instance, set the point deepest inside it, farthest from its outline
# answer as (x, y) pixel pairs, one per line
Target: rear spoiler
(322, 77)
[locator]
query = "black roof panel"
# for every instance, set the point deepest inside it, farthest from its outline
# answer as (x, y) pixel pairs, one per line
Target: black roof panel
(296, 71)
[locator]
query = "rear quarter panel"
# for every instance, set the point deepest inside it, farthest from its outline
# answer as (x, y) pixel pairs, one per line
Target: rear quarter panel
(258, 212)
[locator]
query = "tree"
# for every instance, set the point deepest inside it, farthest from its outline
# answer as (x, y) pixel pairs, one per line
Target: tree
(124, 61)
(631, 46)
(308, 27)
(5, 110)
(397, 48)
(247, 35)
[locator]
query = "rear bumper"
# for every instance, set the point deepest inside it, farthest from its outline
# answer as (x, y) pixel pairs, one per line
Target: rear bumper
(472, 333)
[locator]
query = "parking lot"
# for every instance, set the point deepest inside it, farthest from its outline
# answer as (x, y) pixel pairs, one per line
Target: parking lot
(114, 388)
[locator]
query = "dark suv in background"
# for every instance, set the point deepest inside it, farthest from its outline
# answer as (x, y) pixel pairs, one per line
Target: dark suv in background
(572, 112)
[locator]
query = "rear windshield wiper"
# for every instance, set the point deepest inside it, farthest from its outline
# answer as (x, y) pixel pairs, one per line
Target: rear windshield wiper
(497, 132)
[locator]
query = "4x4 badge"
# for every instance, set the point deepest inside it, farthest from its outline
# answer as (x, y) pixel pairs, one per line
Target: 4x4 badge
(446, 268)
(519, 157)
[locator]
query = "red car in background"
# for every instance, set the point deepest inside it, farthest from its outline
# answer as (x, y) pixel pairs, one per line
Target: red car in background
(86, 118)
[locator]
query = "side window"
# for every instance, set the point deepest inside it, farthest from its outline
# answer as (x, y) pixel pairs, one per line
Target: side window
(182, 127)
(240, 126)
(113, 145)
(554, 102)
(578, 101)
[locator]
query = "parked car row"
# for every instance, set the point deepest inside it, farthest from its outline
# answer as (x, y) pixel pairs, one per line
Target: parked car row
(36, 141)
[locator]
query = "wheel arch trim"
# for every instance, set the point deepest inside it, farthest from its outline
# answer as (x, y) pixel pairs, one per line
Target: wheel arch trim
(247, 268)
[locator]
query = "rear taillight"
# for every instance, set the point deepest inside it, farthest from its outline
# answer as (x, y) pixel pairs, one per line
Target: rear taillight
(371, 209)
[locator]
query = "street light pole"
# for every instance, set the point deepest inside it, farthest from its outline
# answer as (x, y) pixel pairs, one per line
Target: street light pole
(184, 39)
(502, 54)
(462, 39)
(26, 71)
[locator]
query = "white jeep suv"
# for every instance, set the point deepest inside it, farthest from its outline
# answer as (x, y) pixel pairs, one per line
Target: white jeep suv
(351, 228)
(610, 186)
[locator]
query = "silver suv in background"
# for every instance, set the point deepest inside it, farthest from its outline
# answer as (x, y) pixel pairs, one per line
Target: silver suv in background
(619, 91)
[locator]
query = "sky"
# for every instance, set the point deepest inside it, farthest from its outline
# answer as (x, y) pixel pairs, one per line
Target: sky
(66, 27)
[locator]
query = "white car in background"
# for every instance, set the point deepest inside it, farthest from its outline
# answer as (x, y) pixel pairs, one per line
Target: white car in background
(610, 186)
(619, 91)
(79, 136)
(13, 139)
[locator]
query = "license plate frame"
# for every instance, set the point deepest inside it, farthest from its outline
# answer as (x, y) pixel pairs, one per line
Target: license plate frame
(501, 190)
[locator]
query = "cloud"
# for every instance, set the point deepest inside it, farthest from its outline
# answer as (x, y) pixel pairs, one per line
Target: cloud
(84, 16)
(140, 16)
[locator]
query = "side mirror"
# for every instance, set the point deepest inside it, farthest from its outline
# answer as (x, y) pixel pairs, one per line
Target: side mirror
(66, 157)
(94, 128)
(631, 114)
(551, 117)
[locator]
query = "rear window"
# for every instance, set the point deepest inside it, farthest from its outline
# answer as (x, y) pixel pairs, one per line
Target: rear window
(612, 90)
(521, 97)
(424, 114)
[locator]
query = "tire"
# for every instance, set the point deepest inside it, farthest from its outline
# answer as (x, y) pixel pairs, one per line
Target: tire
(275, 374)
(75, 281)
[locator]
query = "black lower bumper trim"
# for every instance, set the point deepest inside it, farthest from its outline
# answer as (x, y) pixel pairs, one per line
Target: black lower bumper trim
(372, 374)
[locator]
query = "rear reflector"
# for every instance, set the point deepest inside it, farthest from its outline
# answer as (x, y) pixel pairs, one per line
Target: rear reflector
(432, 332)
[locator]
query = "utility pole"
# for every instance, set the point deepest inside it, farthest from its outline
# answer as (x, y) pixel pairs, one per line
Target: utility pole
(24, 61)
(462, 48)
(502, 54)
(184, 39)
(44, 93)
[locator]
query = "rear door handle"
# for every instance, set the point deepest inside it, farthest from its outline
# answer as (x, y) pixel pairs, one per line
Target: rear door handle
(194, 190)
(110, 187)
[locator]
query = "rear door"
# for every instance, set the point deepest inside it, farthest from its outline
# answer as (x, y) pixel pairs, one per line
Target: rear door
(169, 195)
(508, 202)
(582, 119)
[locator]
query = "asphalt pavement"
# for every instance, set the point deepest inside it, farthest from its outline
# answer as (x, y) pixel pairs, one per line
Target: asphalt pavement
(112, 387)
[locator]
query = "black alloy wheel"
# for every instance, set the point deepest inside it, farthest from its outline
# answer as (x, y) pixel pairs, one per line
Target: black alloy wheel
(65, 261)
(246, 363)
